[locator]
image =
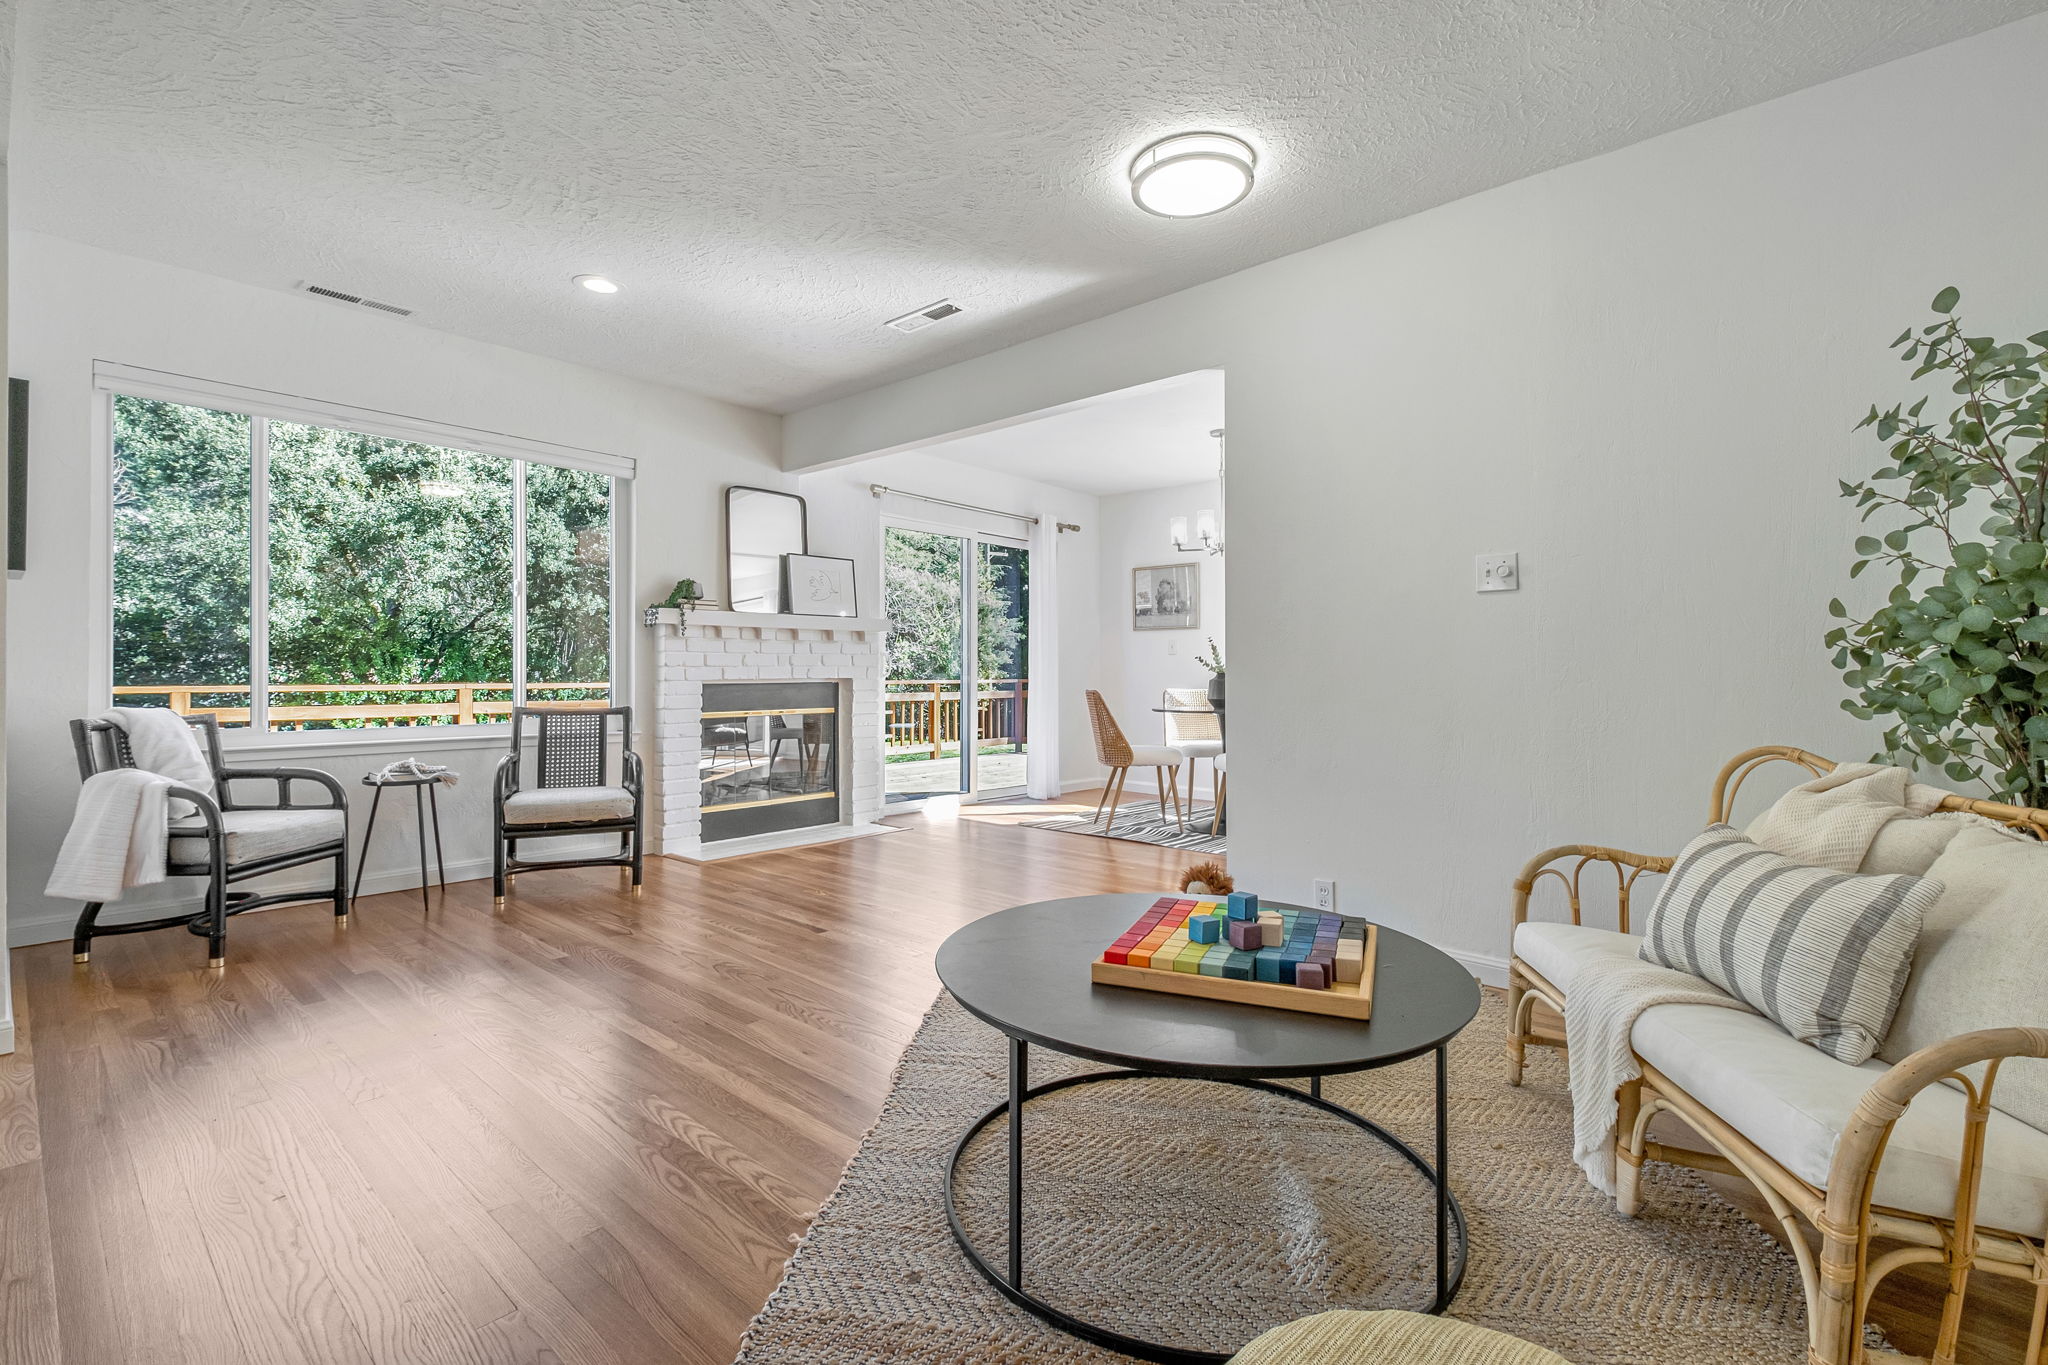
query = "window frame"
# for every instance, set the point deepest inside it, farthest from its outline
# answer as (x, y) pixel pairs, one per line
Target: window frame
(263, 407)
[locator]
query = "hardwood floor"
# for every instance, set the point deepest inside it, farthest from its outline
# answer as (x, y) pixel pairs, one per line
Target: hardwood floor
(583, 1128)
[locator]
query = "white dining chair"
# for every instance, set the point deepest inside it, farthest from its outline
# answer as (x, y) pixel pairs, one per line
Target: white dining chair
(1197, 737)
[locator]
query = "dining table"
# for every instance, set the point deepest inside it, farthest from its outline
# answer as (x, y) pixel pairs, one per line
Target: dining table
(1222, 731)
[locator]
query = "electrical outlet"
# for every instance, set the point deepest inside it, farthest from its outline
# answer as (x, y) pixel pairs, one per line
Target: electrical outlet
(1497, 573)
(1326, 895)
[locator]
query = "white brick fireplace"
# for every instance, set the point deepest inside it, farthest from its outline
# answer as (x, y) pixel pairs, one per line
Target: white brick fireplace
(726, 646)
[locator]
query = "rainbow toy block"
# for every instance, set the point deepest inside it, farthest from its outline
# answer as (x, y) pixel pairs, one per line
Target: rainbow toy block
(1238, 950)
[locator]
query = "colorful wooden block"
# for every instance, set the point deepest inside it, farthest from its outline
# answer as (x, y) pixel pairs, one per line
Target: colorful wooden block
(1352, 928)
(1238, 965)
(1190, 959)
(1311, 976)
(1266, 966)
(1247, 934)
(1214, 960)
(1350, 960)
(1204, 929)
(1272, 930)
(1243, 905)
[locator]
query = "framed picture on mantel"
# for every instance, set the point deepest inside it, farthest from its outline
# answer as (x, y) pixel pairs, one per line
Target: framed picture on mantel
(1166, 597)
(818, 585)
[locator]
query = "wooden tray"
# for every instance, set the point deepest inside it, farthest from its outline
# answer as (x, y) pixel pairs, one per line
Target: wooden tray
(1342, 999)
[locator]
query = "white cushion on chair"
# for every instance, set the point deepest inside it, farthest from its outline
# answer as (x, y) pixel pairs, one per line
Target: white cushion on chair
(1199, 748)
(561, 805)
(1154, 756)
(1793, 1101)
(254, 834)
(1559, 952)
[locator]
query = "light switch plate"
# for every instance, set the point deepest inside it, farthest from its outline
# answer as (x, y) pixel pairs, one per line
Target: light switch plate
(1498, 573)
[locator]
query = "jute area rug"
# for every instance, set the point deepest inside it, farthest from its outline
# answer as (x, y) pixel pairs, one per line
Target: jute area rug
(1200, 1214)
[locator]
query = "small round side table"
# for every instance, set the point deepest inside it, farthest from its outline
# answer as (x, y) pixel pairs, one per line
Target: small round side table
(420, 804)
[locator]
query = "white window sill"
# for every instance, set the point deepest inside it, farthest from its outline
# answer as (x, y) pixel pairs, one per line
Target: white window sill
(237, 744)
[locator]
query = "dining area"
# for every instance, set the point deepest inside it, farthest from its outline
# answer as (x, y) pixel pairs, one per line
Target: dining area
(1191, 728)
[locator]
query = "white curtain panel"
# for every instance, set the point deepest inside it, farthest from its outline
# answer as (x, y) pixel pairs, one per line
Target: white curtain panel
(1042, 761)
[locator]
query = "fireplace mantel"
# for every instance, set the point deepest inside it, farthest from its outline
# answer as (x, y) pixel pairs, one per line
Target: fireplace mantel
(665, 620)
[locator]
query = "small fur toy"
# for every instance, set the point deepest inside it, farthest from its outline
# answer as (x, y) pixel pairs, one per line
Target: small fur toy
(1206, 879)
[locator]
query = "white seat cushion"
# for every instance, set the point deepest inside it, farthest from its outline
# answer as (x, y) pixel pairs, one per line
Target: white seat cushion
(1220, 762)
(1793, 1101)
(1198, 748)
(254, 834)
(562, 805)
(1154, 756)
(1559, 952)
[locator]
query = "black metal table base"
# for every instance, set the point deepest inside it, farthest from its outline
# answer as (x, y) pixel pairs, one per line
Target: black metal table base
(1450, 1263)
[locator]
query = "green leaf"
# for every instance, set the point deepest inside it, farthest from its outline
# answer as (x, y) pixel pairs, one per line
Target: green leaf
(1836, 609)
(1868, 545)
(1946, 300)
(1971, 555)
(1977, 619)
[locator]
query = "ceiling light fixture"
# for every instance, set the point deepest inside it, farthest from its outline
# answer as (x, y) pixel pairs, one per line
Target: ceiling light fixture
(1190, 175)
(597, 284)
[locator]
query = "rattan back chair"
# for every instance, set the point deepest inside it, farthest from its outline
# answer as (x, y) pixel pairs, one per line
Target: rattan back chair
(573, 790)
(101, 746)
(1119, 755)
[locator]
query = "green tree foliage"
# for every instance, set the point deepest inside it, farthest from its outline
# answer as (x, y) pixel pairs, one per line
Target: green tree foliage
(390, 561)
(921, 573)
(181, 531)
(1957, 658)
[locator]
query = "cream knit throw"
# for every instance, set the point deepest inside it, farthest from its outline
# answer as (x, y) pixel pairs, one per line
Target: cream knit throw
(1600, 1012)
(1830, 821)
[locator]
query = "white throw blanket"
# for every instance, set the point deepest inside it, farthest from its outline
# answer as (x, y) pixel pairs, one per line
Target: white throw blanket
(117, 839)
(163, 743)
(1599, 1013)
(1830, 821)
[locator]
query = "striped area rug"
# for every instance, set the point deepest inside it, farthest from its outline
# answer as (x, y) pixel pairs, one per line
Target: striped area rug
(1139, 821)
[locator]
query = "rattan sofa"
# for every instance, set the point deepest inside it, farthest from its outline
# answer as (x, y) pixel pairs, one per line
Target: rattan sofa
(1959, 1171)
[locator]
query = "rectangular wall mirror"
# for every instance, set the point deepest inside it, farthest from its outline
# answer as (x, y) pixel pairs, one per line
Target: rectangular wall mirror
(761, 526)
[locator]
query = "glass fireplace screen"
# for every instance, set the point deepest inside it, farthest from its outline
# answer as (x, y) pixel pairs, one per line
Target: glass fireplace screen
(769, 757)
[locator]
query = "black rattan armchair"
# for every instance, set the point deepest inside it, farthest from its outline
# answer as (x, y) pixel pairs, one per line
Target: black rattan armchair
(227, 841)
(572, 791)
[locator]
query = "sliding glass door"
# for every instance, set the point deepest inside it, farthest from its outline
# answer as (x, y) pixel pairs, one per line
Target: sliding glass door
(954, 722)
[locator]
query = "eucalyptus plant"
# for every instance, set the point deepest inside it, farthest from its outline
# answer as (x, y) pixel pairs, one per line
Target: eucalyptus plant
(1956, 660)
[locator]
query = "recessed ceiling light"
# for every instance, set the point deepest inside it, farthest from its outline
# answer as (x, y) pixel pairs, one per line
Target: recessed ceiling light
(1192, 174)
(597, 284)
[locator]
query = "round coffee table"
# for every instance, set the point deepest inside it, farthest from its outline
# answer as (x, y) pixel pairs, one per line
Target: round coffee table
(1024, 971)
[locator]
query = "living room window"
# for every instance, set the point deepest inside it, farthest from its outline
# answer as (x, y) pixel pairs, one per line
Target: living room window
(290, 576)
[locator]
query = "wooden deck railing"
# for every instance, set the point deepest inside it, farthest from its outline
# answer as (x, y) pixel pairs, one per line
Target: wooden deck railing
(924, 713)
(465, 708)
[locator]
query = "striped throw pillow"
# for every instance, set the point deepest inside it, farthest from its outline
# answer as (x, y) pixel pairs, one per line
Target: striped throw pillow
(1824, 954)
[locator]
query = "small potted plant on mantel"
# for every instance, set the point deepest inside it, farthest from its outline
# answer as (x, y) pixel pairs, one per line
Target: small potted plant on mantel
(1213, 661)
(683, 596)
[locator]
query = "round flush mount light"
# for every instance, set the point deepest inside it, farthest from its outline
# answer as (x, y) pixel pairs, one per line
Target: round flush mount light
(597, 284)
(1189, 175)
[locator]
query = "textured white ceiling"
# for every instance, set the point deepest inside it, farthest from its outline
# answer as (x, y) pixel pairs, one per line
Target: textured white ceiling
(1153, 436)
(771, 179)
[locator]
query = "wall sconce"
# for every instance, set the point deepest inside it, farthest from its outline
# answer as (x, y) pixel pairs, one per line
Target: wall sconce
(1208, 532)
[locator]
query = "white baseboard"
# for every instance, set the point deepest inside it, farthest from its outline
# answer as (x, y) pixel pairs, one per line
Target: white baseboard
(1491, 971)
(56, 928)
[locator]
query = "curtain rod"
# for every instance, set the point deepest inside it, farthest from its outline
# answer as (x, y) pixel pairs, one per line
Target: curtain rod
(879, 489)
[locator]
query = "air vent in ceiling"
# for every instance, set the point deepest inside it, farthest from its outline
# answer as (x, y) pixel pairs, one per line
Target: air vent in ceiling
(919, 319)
(343, 296)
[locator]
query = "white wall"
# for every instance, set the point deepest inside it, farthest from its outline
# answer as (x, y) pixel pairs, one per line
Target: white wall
(846, 520)
(1640, 372)
(1138, 665)
(73, 305)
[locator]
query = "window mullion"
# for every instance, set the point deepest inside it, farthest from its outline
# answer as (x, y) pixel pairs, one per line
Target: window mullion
(259, 575)
(519, 582)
